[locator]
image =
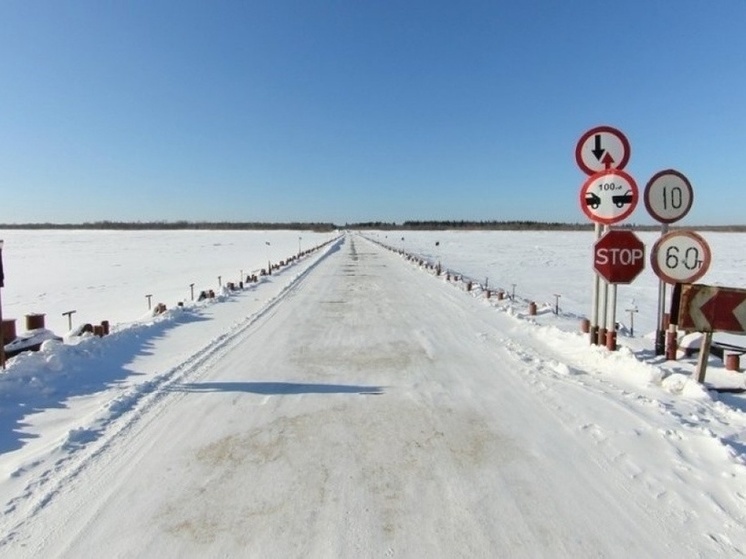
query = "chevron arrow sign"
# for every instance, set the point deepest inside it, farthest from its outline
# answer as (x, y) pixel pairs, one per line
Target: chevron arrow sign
(707, 308)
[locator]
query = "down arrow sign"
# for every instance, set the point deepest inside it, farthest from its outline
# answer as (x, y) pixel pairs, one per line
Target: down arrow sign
(597, 150)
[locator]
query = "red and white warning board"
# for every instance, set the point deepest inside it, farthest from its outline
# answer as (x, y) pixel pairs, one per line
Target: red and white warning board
(707, 308)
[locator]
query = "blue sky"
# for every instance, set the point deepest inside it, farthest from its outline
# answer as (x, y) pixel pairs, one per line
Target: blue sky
(352, 111)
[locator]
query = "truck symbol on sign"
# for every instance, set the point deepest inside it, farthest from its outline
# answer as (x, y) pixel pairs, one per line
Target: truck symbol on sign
(621, 199)
(592, 200)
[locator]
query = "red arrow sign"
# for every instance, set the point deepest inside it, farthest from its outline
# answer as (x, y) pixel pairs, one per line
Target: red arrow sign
(707, 308)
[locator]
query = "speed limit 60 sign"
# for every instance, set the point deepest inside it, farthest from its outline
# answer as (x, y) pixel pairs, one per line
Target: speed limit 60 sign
(680, 257)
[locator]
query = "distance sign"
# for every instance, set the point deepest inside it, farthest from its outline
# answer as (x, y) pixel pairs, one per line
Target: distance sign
(602, 148)
(680, 257)
(668, 196)
(609, 196)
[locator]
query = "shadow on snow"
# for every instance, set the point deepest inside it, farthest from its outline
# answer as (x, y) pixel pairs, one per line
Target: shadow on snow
(84, 369)
(276, 388)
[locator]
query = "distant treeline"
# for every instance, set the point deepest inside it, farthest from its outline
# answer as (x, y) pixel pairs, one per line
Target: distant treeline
(437, 225)
(176, 225)
(434, 225)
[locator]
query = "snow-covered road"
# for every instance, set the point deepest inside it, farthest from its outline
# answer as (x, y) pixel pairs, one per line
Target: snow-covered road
(375, 411)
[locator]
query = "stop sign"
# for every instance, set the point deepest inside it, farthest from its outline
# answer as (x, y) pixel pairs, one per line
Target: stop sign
(619, 256)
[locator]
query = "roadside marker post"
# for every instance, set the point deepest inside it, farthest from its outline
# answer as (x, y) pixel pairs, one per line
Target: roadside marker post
(69, 315)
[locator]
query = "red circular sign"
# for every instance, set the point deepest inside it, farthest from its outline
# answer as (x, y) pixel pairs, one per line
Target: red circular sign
(609, 196)
(668, 196)
(680, 257)
(619, 256)
(601, 148)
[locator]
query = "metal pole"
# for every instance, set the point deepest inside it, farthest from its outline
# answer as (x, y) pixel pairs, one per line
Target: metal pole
(191, 289)
(704, 354)
(596, 289)
(660, 332)
(556, 303)
(69, 315)
(602, 311)
(603, 300)
(632, 322)
(149, 305)
(611, 322)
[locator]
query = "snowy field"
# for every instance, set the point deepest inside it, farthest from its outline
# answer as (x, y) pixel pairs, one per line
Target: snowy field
(358, 405)
(542, 264)
(106, 275)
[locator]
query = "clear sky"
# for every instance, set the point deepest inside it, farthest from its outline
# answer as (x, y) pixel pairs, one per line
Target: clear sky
(353, 110)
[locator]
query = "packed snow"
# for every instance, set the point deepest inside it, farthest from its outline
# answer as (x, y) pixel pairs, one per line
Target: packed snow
(354, 403)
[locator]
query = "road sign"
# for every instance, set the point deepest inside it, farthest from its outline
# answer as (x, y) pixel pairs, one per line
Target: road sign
(609, 196)
(668, 196)
(680, 257)
(602, 148)
(619, 256)
(706, 308)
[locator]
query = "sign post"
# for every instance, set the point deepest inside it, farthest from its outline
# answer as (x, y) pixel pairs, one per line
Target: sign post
(606, 197)
(602, 152)
(668, 198)
(618, 257)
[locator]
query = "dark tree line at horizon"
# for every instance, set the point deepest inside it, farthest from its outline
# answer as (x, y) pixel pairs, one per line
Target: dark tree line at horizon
(409, 225)
(176, 226)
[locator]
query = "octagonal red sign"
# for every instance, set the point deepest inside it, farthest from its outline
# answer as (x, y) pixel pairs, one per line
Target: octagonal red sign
(619, 256)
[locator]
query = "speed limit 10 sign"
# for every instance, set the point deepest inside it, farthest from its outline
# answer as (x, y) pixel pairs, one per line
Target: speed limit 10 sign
(668, 196)
(680, 257)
